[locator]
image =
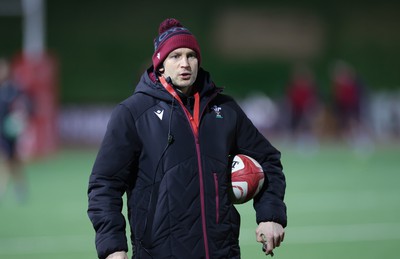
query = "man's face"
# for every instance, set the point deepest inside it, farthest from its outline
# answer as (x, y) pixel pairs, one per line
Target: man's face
(181, 65)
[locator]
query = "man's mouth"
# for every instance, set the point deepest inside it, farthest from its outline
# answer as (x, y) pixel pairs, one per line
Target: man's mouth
(185, 75)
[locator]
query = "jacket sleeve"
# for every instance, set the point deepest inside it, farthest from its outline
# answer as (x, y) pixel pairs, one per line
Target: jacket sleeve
(113, 170)
(269, 203)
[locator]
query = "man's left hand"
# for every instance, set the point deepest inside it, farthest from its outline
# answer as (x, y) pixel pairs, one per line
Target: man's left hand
(271, 235)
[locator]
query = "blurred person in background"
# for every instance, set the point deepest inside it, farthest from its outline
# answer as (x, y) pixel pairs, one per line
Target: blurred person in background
(14, 116)
(304, 106)
(169, 147)
(350, 104)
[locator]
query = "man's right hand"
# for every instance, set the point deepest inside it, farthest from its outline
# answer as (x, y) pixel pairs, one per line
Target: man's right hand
(118, 255)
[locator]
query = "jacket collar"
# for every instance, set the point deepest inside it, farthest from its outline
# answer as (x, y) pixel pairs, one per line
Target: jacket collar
(149, 85)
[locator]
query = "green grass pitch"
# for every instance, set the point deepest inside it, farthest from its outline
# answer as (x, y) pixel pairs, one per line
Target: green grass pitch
(340, 205)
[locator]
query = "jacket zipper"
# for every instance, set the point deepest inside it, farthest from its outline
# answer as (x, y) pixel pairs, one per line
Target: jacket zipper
(201, 183)
(195, 132)
(202, 202)
(203, 210)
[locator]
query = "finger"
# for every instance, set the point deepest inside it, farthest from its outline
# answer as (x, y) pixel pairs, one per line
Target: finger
(264, 248)
(267, 246)
(280, 239)
(277, 241)
(270, 245)
(265, 243)
(263, 238)
(260, 237)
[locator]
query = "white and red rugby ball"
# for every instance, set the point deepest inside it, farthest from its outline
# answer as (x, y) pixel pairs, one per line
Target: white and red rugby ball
(247, 178)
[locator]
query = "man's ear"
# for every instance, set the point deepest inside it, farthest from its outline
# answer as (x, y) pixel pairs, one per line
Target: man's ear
(161, 70)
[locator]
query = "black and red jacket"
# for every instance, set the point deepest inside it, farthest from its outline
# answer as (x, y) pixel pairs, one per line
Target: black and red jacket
(177, 180)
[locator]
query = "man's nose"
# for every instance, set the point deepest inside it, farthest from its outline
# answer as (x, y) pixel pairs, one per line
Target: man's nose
(185, 62)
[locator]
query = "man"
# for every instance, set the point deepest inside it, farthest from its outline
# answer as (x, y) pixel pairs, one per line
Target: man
(349, 96)
(14, 114)
(168, 149)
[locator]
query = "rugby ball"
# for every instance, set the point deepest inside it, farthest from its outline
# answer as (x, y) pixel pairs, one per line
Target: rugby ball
(247, 179)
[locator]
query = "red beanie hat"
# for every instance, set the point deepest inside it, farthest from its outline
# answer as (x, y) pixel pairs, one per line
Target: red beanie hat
(172, 35)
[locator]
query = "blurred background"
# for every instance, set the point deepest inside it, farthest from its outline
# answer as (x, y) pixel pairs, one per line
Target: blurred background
(321, 79)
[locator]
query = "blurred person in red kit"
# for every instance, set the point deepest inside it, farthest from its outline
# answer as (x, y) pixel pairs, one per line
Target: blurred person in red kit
(15, 111)
(349, 100)
(169, 147)
(303, 101)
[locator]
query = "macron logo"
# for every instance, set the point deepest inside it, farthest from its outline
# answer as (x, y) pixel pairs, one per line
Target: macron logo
(158, 55)
(159, 114)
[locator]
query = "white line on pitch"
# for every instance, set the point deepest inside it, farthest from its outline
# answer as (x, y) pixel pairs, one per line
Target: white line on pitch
(46, 244)
(294, 235)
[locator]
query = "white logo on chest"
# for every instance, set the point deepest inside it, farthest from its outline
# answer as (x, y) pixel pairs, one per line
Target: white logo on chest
(159, 114)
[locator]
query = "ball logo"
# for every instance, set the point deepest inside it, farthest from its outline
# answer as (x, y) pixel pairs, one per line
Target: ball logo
(234, 163)
(237, 164)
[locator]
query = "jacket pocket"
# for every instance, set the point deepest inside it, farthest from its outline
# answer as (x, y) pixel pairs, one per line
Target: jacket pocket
(216, 198)
(149, 220)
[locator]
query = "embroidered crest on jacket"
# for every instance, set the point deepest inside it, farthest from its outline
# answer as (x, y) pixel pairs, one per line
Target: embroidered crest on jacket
(217, 111)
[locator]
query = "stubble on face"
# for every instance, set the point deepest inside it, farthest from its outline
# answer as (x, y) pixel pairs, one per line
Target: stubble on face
(181, 65)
